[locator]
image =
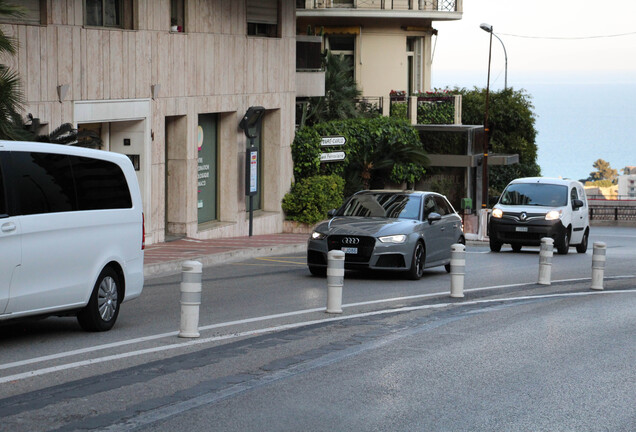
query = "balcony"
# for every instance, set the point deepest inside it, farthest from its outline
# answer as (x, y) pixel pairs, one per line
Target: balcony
(436, 10)
(310, 76)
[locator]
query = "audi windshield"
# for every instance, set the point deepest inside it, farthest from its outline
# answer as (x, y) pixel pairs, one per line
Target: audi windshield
(387, 205)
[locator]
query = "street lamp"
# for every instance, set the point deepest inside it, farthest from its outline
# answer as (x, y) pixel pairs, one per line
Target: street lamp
(484, 162)
(488, 28)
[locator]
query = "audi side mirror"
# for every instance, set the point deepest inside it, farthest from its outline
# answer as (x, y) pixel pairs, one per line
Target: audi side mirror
(432, 217)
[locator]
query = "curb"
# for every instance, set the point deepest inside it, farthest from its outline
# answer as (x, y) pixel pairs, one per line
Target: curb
(173, 267)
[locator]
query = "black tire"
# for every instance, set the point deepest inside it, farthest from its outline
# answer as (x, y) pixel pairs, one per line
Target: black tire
(495, 246)
(317, 271)
(417, 262)
(102, 309)
(582, 247)
(563, 246)
(516, 247)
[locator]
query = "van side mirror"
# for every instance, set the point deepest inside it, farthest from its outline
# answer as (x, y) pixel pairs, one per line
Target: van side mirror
(577, 204)
(331, 213)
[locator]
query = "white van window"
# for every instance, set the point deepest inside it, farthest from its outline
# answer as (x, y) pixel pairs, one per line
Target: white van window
(100, 184)
(44, 182)
(3, 202)
(50, 183)
(538, 194)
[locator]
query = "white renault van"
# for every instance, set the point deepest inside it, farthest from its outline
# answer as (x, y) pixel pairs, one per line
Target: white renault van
(536, 207)
(71, 233)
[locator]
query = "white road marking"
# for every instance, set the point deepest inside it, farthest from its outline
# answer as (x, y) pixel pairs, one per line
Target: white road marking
(44, 371)
(257, 319)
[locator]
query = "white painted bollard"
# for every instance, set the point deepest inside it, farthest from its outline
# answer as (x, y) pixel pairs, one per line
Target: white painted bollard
(598, 265)
(458, 270)
(545, 261)
(191, 272)
(335, 280)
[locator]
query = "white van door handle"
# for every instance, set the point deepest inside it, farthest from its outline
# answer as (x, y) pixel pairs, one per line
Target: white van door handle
(8, 227)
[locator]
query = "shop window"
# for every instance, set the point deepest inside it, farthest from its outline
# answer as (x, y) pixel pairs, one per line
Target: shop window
(32, 13)
(108, 13)
(262, 18)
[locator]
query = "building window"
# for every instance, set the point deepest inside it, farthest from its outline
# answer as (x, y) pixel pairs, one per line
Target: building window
(343, 45)
(177, 16)
(108, 13)
(32, 13)
(262, 18)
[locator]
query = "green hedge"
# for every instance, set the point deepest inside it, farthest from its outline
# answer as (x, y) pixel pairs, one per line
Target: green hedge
(310, 199)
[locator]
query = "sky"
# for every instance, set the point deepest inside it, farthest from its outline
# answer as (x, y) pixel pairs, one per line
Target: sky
(461, 47)
(569, 57)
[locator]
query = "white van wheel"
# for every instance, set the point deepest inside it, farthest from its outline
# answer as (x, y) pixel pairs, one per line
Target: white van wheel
(564, 244)
(102, 309)
(582, 247)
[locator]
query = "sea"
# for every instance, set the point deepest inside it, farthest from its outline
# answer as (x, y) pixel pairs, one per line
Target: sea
(580, 117)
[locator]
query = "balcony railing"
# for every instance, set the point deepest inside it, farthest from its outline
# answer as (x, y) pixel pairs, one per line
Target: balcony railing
(431, 108)
(421, 5)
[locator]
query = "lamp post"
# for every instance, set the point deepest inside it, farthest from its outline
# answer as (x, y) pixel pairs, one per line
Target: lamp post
(488, 28)
(484, 163)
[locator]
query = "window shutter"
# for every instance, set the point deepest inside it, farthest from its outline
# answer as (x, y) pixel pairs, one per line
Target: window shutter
(262, 11)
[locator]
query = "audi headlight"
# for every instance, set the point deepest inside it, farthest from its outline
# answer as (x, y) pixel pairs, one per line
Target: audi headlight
(553, 215)
(318, 235)
(497, 213)
(399, 238)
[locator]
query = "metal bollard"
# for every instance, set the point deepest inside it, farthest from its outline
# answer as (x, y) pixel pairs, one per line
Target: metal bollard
(335, 280)
(598, 265)
(545, 261)
(191, 272)
(458, 270)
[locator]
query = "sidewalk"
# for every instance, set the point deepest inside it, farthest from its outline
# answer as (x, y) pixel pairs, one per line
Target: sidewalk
(166, 258)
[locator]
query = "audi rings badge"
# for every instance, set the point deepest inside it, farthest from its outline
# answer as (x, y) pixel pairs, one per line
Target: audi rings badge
(350, 241)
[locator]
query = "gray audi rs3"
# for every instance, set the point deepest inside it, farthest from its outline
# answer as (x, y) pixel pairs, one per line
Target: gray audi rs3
(405, 231)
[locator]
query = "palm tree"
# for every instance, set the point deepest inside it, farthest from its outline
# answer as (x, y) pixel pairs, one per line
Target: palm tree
(341, 93)
(11, 95)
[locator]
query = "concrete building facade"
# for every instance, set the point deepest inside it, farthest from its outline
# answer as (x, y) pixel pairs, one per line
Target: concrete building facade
(167, 83)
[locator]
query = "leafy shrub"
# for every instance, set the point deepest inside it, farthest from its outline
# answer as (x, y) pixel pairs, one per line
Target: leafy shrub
(399, 110)
(309, 199)
(377, 150)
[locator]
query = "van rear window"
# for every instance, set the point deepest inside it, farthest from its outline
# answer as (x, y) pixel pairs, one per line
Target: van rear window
(100, 184)
(51, 183)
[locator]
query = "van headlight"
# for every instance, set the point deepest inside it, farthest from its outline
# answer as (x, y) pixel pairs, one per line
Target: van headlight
(318, 235)
(400, 238)
(497, 213)
(553, 215)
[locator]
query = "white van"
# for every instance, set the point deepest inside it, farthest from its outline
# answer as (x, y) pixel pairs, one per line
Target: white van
(536, 207)
(71, 233)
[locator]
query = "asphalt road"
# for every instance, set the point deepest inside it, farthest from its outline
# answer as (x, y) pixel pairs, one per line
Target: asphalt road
(511, 355)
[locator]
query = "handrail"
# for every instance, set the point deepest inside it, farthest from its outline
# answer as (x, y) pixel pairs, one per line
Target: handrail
(421, 5)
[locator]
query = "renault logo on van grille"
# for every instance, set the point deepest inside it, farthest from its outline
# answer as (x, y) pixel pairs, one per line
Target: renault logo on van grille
(350, 240)
(523, 216)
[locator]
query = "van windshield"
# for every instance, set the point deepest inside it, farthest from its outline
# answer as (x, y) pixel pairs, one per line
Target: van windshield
(537, 194)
